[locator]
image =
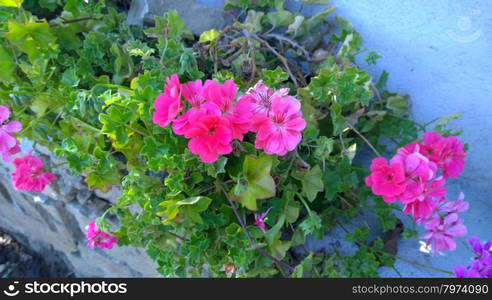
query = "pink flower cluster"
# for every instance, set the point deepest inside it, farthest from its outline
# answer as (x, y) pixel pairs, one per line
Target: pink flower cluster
(415, 177)
(98, 238)
(214, 117)
(9, 144)
(481, 266)
(28, 175)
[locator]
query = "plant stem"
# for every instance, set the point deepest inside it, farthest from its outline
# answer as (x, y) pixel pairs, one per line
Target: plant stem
(72, 21)
(279, 56)
(423, 266)
(248, 235)
(364, 139)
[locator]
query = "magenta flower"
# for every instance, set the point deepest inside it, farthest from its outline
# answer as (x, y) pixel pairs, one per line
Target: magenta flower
(460, 205)
(387, 180)
(168, 104)
(259, 98)
(172, 86)
(441, 232)
(446, 152)
(280, 131)
(481, 266)
(98, 238)
(260, 220)
(9, 145)
(223, 96)
(416, 164)
(210, 136)
(193, 92)
(28, 175)
(420, 197)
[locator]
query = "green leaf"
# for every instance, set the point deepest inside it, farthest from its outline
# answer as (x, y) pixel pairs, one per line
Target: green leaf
(273, 78)
(311, 224)
(103, 180)
(274, 233)
(7, 65)
(312, 182)
(209, 36)
(11, 3)
(398, 104)
(70, 77)
(372, 57)
(260, 184)
(383, 79)
(191, 207)
(169, 26)
(34, 38)
(280, 18)
(115, 121)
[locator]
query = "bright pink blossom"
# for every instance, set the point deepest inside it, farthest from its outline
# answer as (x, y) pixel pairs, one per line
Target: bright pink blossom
(98, 238)
(193, 92)
(441, 232)
(172, 86)
(259, 98)
(416, 164)
(29, 176)
(210, 136)
(446, 152)
(9, 144)
(280, 131)
(460, 205)
(387, 180)
(420, 197)
(223, 96)
(168, 104)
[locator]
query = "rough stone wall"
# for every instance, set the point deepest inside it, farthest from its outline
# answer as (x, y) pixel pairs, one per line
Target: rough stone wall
(53, 224)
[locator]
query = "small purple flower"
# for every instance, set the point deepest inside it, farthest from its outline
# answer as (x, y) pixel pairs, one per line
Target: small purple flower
(481, 266)
(260, 220)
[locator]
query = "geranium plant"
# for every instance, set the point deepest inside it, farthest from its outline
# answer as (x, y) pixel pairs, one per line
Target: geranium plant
(231, 147)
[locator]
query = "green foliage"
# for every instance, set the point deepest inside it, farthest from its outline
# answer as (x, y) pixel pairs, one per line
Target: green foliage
(85, 89)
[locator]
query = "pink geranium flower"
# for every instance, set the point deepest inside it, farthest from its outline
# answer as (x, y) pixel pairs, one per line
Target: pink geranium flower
(419, 197)
(387, 180)
(446, 152)
(223, 96)
(172, 86)
(166, 109)
(193, 92)
(441, 232)
(168, 104)
(416, 164)
(28, 175)
(460, 205)
(280, 131)
(9, 145)
(259, 98)
(210, 136)
(98, 238)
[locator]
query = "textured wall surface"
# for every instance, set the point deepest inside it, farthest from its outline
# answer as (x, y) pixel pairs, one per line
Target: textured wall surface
(53, 224)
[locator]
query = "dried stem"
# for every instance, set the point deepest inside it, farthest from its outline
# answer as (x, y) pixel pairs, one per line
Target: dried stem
(364, 139)
(71, 21)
